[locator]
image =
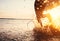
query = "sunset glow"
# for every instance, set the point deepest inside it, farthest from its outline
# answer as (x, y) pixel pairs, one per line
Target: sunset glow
(55, 16)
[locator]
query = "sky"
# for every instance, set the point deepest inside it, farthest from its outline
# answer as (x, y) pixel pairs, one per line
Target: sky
(23, 9)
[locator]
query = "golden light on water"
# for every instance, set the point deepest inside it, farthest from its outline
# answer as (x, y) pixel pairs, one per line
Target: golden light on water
(54, 15)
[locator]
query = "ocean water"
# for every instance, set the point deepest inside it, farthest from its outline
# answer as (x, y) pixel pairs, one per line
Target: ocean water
(16, 30)
(21, 30)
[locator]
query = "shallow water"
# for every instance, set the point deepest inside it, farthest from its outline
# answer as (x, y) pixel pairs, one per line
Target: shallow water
(21, 30)
(15, 30)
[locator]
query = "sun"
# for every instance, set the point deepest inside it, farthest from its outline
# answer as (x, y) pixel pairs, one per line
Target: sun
(54, 16)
